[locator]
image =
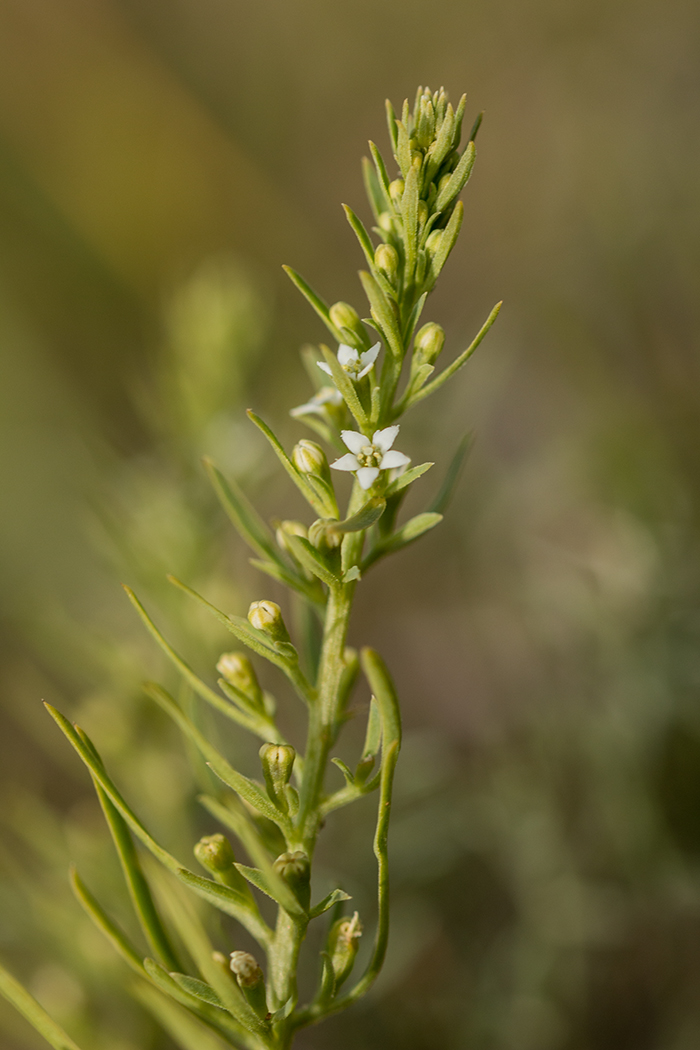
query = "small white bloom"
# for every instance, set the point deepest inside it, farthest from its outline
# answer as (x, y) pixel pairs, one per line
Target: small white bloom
(356, 364)
(327, 395)
(366, 458)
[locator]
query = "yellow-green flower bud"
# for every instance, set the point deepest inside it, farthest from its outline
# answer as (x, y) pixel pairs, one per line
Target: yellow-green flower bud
(238, 671)
(433, 242)
(310, 458)
(443, 182)
(214, 853)
(386, 223)
(295, 870)
(251, 980)
(277, 763)
(323, 536)
(429, 343)
(387, 259)
(267, 616)
(347, 319)
(342, 946)
(396, 189)
(289, 528)
(422, 213)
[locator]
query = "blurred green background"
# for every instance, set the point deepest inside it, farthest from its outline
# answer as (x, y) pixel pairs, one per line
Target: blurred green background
(159, 161)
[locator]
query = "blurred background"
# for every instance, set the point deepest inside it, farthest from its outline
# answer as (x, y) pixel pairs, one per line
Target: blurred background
(159, 161)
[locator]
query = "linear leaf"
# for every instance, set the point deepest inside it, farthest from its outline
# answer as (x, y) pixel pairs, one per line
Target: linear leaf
(382, 174)
(260, 880)
(334, 897)
(315, 301)
(200, 989)
(112, 932)
(242, 513)
(312, 560)
(457, 179)
(384, 690)
(200, 688)
(184, 1029)
(447, 243)
(366, 516)
(461, 360)
(409, 213)
(27, 1005)
(407, 478)
(373, 189)
(229, 902)
(382, 313)
(296, 475)
(408, 533)
(444, 496)
(361, 234)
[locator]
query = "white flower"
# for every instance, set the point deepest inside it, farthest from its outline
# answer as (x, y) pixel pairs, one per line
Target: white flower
(327, 395)
(352, 361)
(366, 458)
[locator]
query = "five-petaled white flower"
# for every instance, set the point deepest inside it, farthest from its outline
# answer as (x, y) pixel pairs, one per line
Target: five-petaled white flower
(353, 362)
(327, 395)
(366, 458)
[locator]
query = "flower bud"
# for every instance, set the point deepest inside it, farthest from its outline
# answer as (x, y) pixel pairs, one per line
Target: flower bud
(422, 213)
(386, 223)
(443, 182)
(277, 763)
(433, 242)
(323, 536)
(342, 946)
(214, 853)
(310, 458)
(347, 319)
(295, 870)
(428, 343)
(238, 671)
(251, 980)
(267, 616)
(387, 260)
(396, 189)
(289, 528)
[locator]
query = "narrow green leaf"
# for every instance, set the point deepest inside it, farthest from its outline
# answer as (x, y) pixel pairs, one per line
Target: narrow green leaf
(475, 126)
(441, 146)
(366, 516)
(403, 148)
(344, 769)
(139, 891)
(374, 731)
(244, 788)
(459, 117)
(200, 688)
(444, 496)
(112, 932)
(281, 654)
(409, 213)
(325, 492)
(361, 234)
(447, 243)
(199, 989)
(384, 690)
(402, 537)
(242, 513)
(391, 124)
(262, 882)
(407, 478)
(27, 1005)
(297, 477)
(334, 897)
(373, 189)
(461, 360)
(312, 560)
(458, 178)
(382, 174)
(414, 318)
(231, 903)
(383, 314)
(316, 301)
(347, 388)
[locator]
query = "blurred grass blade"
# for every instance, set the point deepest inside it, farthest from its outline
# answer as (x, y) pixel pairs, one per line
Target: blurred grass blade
(114, 935)
(461, 360)
(27, 1005)
(447, 489)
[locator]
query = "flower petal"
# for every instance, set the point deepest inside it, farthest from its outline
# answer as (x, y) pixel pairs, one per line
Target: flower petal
(354, 441)
(306, 410)
(328, 394)
(370, 356)
(326, 368)
(367, 476)
(347, 355)
(384, 439)
(392, 459)
(346, 462)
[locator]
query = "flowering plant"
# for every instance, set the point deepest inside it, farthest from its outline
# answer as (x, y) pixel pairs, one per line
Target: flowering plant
(252, 1000)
